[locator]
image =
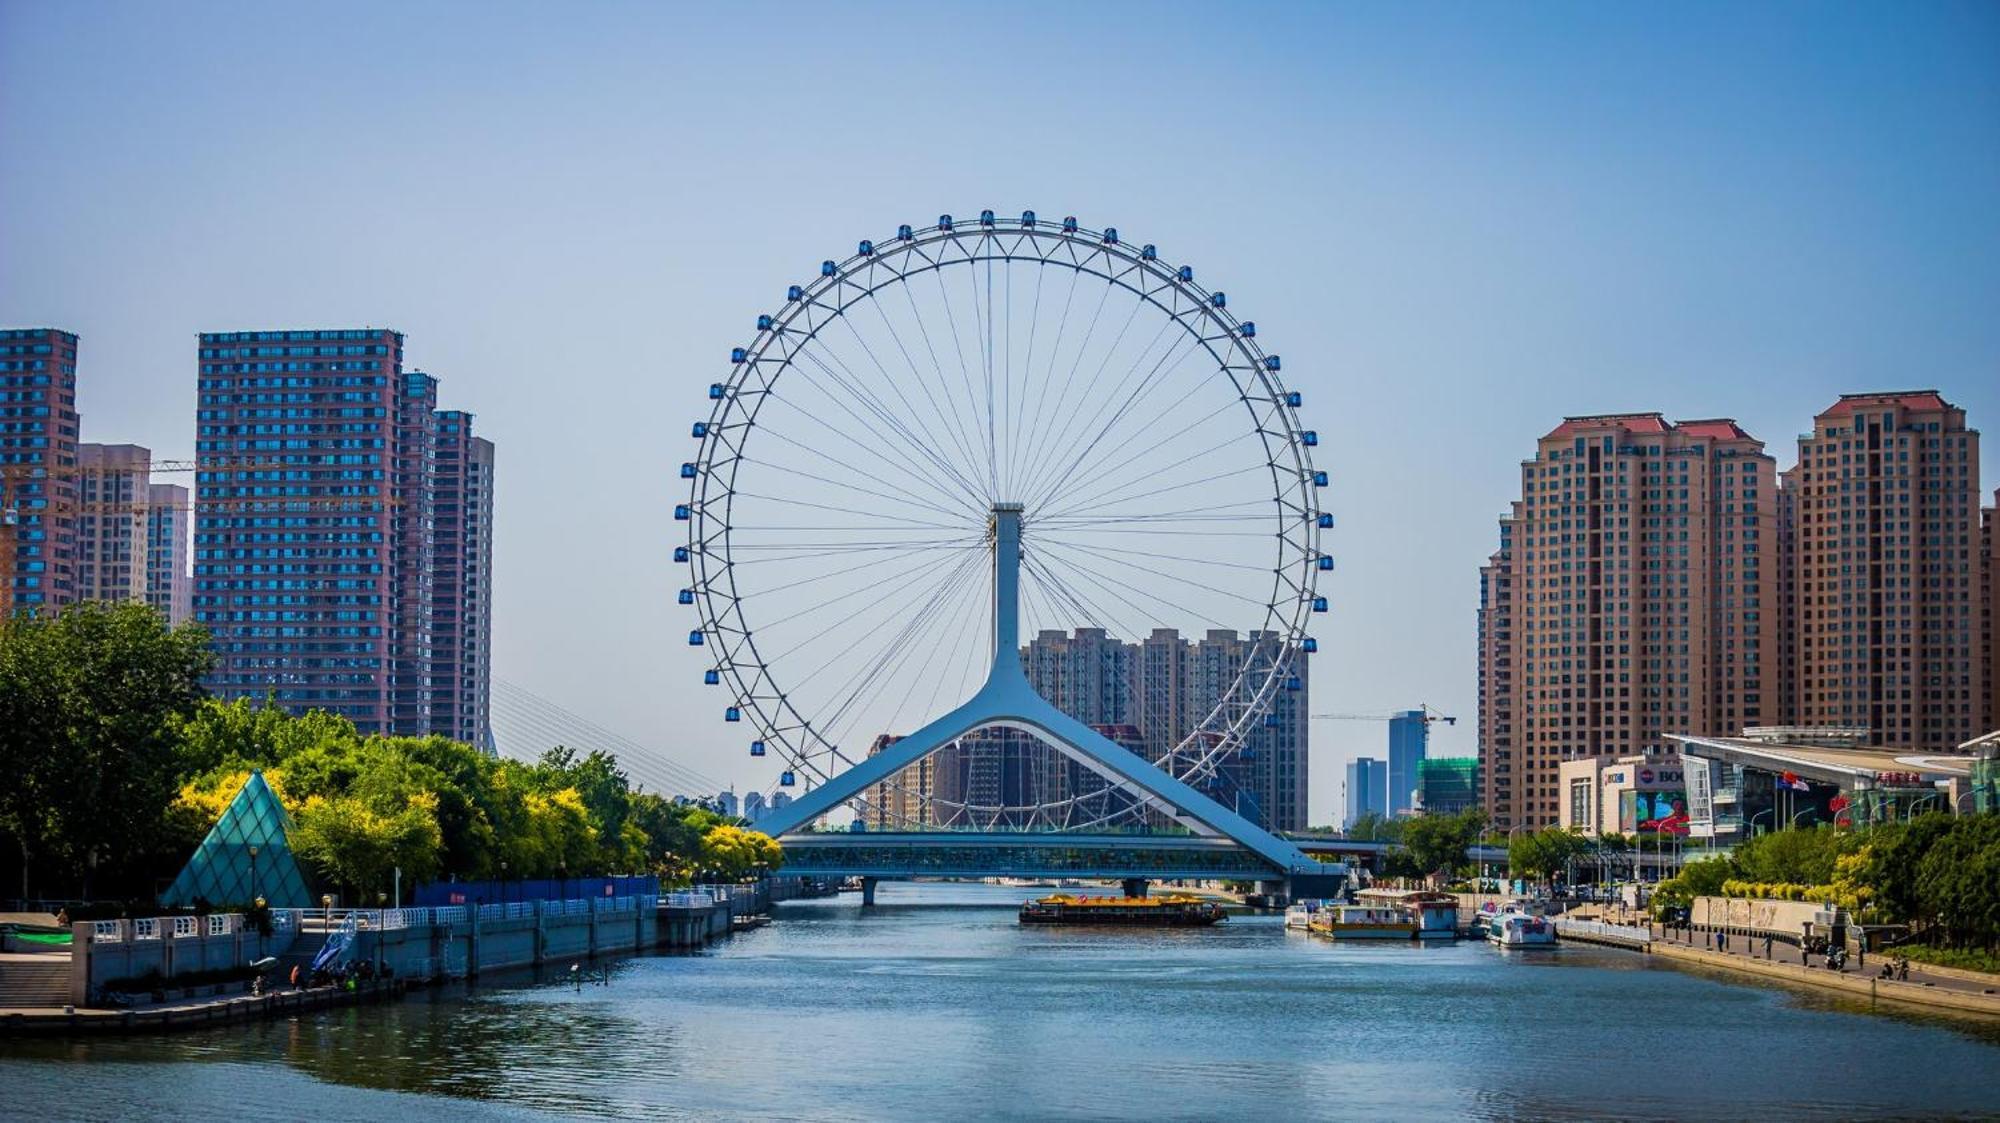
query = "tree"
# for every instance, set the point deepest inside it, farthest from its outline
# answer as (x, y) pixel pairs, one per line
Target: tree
(1375, 827)
(90, 704)
(360, 849)
(734, 853)
(1543, 854)
(1437, 843)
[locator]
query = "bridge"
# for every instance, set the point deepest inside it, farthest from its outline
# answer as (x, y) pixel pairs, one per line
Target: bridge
(1224, 844)
(1133, 858)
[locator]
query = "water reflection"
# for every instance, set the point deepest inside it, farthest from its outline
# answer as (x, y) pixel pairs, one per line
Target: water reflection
(938, 1005)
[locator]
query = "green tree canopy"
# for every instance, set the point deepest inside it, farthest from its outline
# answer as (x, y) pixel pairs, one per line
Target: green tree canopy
(90, 705)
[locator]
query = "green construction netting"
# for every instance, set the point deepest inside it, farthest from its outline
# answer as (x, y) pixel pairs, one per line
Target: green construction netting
(223, 869)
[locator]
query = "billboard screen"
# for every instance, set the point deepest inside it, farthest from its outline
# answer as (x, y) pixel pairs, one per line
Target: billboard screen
(1662, 812)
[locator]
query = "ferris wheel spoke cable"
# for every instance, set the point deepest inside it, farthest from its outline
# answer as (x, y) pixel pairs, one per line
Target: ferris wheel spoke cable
(1123, 393)
(880, 671)
(1096, 552)
(1039, 439)
(847, 380)
(891, 592)
(986, 352)
(958, 348)
(1066, 420)
(895, 386)
(896, 655)
(766, 628)
(881, 448)
(850, 485)
(876, 449)
(945, 387)
(1048, 372)
(871, 563)
(1220, 563)
(924, 453)
(1216, 478)
(1090, 609)
(900, 520)
(1110, 584)
(1116, 491)
(952, 424)
(1104, 479)
(1157, 419)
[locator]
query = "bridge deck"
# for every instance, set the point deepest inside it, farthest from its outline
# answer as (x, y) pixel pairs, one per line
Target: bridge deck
(1020, 854)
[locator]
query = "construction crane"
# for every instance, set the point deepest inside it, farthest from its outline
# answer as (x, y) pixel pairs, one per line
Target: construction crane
(1429, 714)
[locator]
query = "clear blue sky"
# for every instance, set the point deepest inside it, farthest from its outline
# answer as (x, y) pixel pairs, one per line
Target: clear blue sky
(1457, 222)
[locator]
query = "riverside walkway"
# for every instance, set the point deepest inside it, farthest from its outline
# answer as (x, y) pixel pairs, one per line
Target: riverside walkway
(1948, 988)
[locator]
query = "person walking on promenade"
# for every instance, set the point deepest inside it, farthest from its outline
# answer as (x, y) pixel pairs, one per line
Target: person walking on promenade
(295, 976)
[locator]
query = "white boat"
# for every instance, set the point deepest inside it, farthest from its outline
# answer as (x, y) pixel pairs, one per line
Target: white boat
(1514, 928)
(1363, 922)
(1299, 915)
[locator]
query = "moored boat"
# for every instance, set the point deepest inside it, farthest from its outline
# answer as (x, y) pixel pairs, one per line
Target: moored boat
(1299, 914)
(1515, 928)
(1434, 916)
(1363, 922)
(1170, 911)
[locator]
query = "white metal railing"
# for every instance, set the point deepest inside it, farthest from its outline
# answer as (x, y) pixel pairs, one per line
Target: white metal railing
(690, 900)
(1635, 934)
(448, 914)
(106, 931)
(186, 926)
(146, 928)
(285, 920)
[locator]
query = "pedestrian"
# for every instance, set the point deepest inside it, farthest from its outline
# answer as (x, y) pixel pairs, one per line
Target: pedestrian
(1767, 945)
(295, 976)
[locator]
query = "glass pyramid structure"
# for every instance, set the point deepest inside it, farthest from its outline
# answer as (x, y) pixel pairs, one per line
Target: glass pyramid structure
(224, 869)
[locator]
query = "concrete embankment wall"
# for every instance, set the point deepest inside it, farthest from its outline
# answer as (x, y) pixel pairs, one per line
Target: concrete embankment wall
(521, 935)
(1858, 986)
(171, 946)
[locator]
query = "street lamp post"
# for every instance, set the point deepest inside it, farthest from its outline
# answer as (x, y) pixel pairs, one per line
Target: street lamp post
(253, 873)
(1751, 826)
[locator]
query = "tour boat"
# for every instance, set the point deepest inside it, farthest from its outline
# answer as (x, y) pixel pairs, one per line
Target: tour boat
(1434, 915)
(1514, 928)
(1363, 922)
(1170, 911)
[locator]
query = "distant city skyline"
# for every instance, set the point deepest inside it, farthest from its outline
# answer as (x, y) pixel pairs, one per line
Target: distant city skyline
(1457, 226)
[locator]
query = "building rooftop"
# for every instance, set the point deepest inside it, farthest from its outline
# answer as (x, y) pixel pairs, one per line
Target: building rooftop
(1829, 763)
(1908, 399)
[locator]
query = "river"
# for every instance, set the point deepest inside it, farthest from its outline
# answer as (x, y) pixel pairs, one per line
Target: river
(937, 1005)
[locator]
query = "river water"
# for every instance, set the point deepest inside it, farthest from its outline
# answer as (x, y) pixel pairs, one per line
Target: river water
(937, 1005)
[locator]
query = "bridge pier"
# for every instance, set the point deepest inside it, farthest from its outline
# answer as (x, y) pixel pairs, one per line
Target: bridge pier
(868, 892)
(1135, 887)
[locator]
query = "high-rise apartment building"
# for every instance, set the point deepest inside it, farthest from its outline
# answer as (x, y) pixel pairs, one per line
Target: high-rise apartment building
(461, 600)
(1990, 615)
(412, 535)
(110, 521)
(1890, 571)
(315, 555)
(169, 586)
(1643, 562)
(1497, 694)
(1409, 744)
(38, 447)
(1367, 789)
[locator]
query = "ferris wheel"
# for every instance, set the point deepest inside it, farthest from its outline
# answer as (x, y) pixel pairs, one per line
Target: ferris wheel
(901, 410)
